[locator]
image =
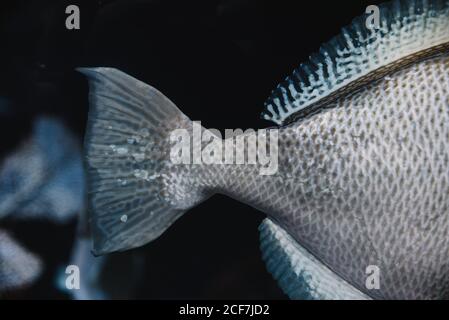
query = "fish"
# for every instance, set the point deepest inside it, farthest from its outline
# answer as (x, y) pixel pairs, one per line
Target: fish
(42, 180)
(19, 268)
(358, 205)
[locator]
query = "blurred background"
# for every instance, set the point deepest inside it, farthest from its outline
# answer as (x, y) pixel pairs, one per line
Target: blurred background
(218, 60)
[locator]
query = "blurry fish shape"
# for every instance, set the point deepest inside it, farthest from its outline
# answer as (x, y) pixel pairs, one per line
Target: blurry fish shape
(362, 180)
(18, 267)
(43, 179)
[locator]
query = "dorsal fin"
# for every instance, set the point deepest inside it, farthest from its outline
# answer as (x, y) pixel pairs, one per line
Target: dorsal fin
(406, 29)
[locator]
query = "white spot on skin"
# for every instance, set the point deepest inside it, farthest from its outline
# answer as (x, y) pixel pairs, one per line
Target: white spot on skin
(122, 150)
(122, 182)
(124, 218)
(154, 176)
(142, 174)
(139, 157)
(144, 132)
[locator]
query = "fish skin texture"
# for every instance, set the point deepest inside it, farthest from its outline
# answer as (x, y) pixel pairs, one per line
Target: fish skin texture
(366, 182)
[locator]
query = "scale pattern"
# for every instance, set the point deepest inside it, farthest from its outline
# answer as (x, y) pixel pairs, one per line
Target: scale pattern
(366, 182)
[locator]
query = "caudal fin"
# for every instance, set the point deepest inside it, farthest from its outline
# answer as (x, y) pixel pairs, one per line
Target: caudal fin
(127, 151)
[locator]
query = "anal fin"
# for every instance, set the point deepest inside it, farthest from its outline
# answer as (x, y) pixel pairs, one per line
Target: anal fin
(299, 274)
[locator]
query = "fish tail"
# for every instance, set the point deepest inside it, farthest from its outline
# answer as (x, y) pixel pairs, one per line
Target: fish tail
(134, 191)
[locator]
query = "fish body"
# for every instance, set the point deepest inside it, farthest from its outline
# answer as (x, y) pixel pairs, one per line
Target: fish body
(362, 178)
(366, 183)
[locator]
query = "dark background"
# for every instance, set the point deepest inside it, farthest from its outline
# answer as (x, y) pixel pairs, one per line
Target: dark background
(218, 60)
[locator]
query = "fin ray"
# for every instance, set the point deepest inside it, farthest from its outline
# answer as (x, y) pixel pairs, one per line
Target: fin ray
(299, 273)
(406, 28)
(128, 119)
